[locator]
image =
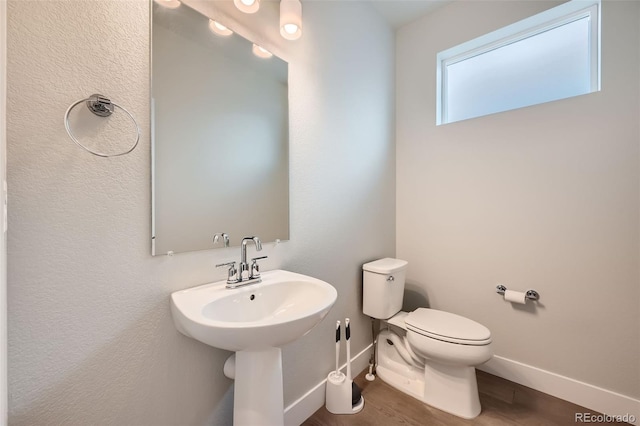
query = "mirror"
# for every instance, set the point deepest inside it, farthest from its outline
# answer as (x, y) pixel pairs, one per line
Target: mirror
(220, 147)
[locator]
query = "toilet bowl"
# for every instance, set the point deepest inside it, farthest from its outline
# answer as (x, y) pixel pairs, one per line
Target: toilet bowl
(428, 354)
(448, 338)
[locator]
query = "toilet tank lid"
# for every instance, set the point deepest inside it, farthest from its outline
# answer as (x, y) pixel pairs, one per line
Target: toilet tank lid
(385, 266)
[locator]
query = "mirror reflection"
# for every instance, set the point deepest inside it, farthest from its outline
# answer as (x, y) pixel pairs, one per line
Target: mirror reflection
(219, 135)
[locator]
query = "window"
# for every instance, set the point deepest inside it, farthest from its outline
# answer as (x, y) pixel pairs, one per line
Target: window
(549, 56)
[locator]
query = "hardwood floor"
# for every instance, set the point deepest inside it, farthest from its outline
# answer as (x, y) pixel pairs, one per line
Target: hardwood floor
(504, 403)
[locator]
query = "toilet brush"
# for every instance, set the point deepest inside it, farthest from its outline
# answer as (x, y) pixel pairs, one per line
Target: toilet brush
(342, 396)
(337, 374)
(356, 394)
(347, 334)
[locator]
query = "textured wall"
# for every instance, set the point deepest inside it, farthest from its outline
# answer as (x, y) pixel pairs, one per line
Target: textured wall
(91, 339)
(544, 197)
(3, 242)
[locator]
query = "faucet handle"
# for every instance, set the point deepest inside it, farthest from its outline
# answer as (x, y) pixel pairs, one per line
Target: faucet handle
(231, 278)
(255, 268)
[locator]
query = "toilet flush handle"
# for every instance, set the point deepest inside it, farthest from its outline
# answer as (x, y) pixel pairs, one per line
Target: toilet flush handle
(391, 278)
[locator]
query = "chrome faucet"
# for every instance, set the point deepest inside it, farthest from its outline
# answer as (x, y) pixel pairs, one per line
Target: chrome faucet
(244, 266)
(244, 274)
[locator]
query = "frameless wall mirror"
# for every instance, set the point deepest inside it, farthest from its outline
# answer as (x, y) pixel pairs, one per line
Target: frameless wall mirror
(220, 145)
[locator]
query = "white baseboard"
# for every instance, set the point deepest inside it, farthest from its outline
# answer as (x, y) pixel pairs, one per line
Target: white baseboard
(580, 393)
(301, 409)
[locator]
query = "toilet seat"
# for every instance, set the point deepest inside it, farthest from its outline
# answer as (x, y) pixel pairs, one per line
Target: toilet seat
(447, 327)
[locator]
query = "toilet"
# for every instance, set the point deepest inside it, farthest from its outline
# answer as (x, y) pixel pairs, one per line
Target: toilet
(428, 354)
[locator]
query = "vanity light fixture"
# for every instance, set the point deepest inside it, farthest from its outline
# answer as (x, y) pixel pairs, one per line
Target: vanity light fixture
(247, 6)
(261, 52)
(170, 4)
(290, 19)
(219, 29)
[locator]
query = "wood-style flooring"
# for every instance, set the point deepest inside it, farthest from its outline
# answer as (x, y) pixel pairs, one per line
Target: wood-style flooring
(504, 403)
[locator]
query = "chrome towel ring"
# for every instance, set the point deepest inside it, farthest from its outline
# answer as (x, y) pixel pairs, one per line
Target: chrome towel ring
(101, 106)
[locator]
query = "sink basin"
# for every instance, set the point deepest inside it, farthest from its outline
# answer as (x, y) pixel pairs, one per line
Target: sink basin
(282, 308)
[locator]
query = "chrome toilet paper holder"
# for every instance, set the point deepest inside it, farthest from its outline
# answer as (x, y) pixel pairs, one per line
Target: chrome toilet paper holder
(530, 294)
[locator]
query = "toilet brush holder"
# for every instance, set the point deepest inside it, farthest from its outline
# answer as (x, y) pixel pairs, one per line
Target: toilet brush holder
(339, 395)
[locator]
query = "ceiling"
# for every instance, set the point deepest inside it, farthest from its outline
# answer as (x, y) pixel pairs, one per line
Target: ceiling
(401, 12)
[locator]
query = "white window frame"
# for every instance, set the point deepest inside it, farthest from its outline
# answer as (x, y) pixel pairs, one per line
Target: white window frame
(529, 27)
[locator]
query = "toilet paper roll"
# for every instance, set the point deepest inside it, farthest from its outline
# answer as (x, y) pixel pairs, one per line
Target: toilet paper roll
(515, 297)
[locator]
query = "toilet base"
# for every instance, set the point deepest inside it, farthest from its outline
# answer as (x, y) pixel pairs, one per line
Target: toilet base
(413, 388)
(452, 389)
(392, 369)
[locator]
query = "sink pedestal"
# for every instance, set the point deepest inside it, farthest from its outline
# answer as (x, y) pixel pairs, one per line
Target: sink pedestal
(258, 395)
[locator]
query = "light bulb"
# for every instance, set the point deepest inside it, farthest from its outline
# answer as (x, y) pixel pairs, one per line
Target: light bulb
(261, 52)
(290, 28)
(218, 28)
(290, 19)
(247, 6)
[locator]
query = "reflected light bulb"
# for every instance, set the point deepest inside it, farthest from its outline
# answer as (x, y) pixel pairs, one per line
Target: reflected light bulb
(261, 52)
(170, 4)
(248, 2)
(218, 28)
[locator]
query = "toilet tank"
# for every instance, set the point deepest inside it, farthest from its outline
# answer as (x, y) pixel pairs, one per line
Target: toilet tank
(383, 287)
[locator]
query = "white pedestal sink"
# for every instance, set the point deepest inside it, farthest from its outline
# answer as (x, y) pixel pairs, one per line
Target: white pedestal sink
(254, 321)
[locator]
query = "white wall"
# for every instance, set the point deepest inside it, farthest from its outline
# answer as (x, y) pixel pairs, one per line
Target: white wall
(545, 197)
(3, 240)
(91, 340)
